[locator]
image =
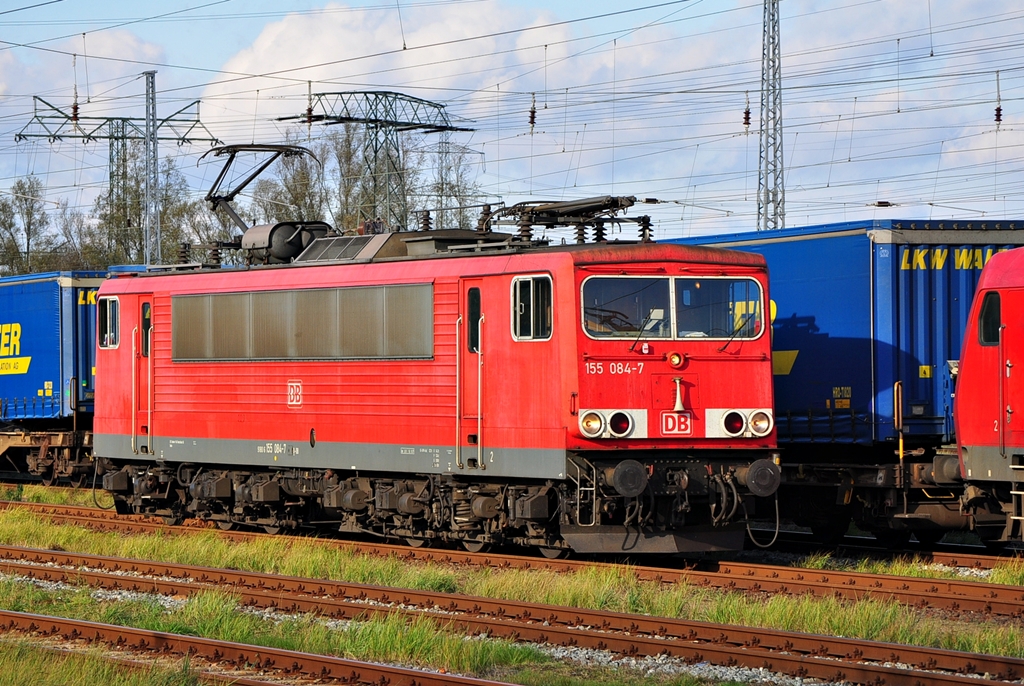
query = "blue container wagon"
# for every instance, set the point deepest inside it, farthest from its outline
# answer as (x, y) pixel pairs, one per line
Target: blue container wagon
(47, 367)
(868, 320)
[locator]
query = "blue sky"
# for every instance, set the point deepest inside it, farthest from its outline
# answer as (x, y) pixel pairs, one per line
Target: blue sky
(887, 101)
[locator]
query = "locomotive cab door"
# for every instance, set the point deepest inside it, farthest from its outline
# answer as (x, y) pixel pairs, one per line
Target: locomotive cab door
(142, 377)
(471, 342)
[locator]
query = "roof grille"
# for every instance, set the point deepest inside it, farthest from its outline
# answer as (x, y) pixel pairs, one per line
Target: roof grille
(339, 248)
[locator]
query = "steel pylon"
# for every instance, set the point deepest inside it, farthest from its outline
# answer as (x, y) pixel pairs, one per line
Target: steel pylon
(385, 115)
(771, 191)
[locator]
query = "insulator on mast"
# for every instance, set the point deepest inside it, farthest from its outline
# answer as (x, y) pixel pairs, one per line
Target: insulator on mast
(999, 103)
(746, 115)
(425, 223)
(533, 110)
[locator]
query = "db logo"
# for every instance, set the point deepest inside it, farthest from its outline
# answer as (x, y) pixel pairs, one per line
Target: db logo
(294, 394)
(677, 423)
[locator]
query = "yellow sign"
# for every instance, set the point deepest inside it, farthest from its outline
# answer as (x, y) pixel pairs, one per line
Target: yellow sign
(10, 339)
(924, 371)
(14, 365)
(936, 258)
(86, 297)
(783, 361)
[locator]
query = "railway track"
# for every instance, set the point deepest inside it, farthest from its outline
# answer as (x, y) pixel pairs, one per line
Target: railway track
(288, 664)
(949, 595)
(792, 653)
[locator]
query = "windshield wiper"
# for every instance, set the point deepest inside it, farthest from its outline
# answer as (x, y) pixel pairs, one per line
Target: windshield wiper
(736, 332)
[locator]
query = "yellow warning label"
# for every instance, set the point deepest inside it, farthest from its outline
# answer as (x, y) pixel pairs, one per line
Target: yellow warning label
(842, 403)
(14, 365)
(924, 371)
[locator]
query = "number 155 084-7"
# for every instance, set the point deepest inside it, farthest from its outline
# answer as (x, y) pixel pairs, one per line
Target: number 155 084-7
(614, 368)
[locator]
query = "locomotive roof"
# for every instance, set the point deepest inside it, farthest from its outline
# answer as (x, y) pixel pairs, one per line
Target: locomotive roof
(1004, 270)
(448, 245)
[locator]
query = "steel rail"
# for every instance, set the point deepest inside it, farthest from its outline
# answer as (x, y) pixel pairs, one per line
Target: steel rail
(794, 653)
(944, 594)
(288, 662)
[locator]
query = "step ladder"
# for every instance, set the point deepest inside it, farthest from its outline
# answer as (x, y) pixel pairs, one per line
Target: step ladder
(585, 479)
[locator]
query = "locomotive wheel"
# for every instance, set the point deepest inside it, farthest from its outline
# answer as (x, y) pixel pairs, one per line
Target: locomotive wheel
(475, 546)
(49, 476)
(554, 553)
(272, 530)
(417, 542)
(172, 520)
(78, 480)
(225, 526)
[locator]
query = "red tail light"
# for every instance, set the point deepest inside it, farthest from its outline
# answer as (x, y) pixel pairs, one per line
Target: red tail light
(620, 424)
(733, 423)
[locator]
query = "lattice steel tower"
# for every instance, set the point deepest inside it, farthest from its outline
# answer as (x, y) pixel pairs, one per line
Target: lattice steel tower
(384, 114)
(771, 191)
(51, 122)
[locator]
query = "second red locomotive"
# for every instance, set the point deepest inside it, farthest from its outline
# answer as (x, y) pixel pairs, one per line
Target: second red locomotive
(989, 395)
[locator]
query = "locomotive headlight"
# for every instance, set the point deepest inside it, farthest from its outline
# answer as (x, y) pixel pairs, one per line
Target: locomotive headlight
(733, 422)
(675, 360)
(620, 424)
(591, 424)
(760, 423)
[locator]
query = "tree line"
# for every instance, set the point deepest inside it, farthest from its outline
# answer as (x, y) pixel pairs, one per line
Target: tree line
(38, 235)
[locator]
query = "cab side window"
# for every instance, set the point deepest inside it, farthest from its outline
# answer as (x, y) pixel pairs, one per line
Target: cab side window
(108, 328)
(531, 308)
(147, 328)
(989, 321)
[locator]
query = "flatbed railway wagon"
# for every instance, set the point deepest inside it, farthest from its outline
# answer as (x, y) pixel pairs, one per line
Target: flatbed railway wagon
(47, 366)
(868, 318)
(447, 386)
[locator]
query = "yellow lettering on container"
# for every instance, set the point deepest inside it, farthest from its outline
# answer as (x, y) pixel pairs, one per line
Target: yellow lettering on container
(920, 257)
(5, 340)
(939, 256)
(963, 258)
(15, 339)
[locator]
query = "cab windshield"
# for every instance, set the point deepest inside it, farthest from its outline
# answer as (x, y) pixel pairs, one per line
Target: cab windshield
(619, 307)
(672, 307)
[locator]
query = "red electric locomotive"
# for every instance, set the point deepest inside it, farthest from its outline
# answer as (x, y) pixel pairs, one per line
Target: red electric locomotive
(464, 386)
(989, 393)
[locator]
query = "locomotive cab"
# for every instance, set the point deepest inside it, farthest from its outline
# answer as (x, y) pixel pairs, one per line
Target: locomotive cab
(674, 367)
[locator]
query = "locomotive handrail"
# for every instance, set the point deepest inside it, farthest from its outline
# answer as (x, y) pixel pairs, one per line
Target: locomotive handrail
(135, 392)
(458, 394)
(1001, 416)
(149, 391)
(479, 393)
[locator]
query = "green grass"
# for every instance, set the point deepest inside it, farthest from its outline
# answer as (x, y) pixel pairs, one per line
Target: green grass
(424, 642)
(23, 664)
(216, 615)
(31, 493)
(602, 588)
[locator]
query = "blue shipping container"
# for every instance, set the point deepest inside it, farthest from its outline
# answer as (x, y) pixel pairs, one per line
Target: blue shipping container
(857, 307)
(47, 344)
